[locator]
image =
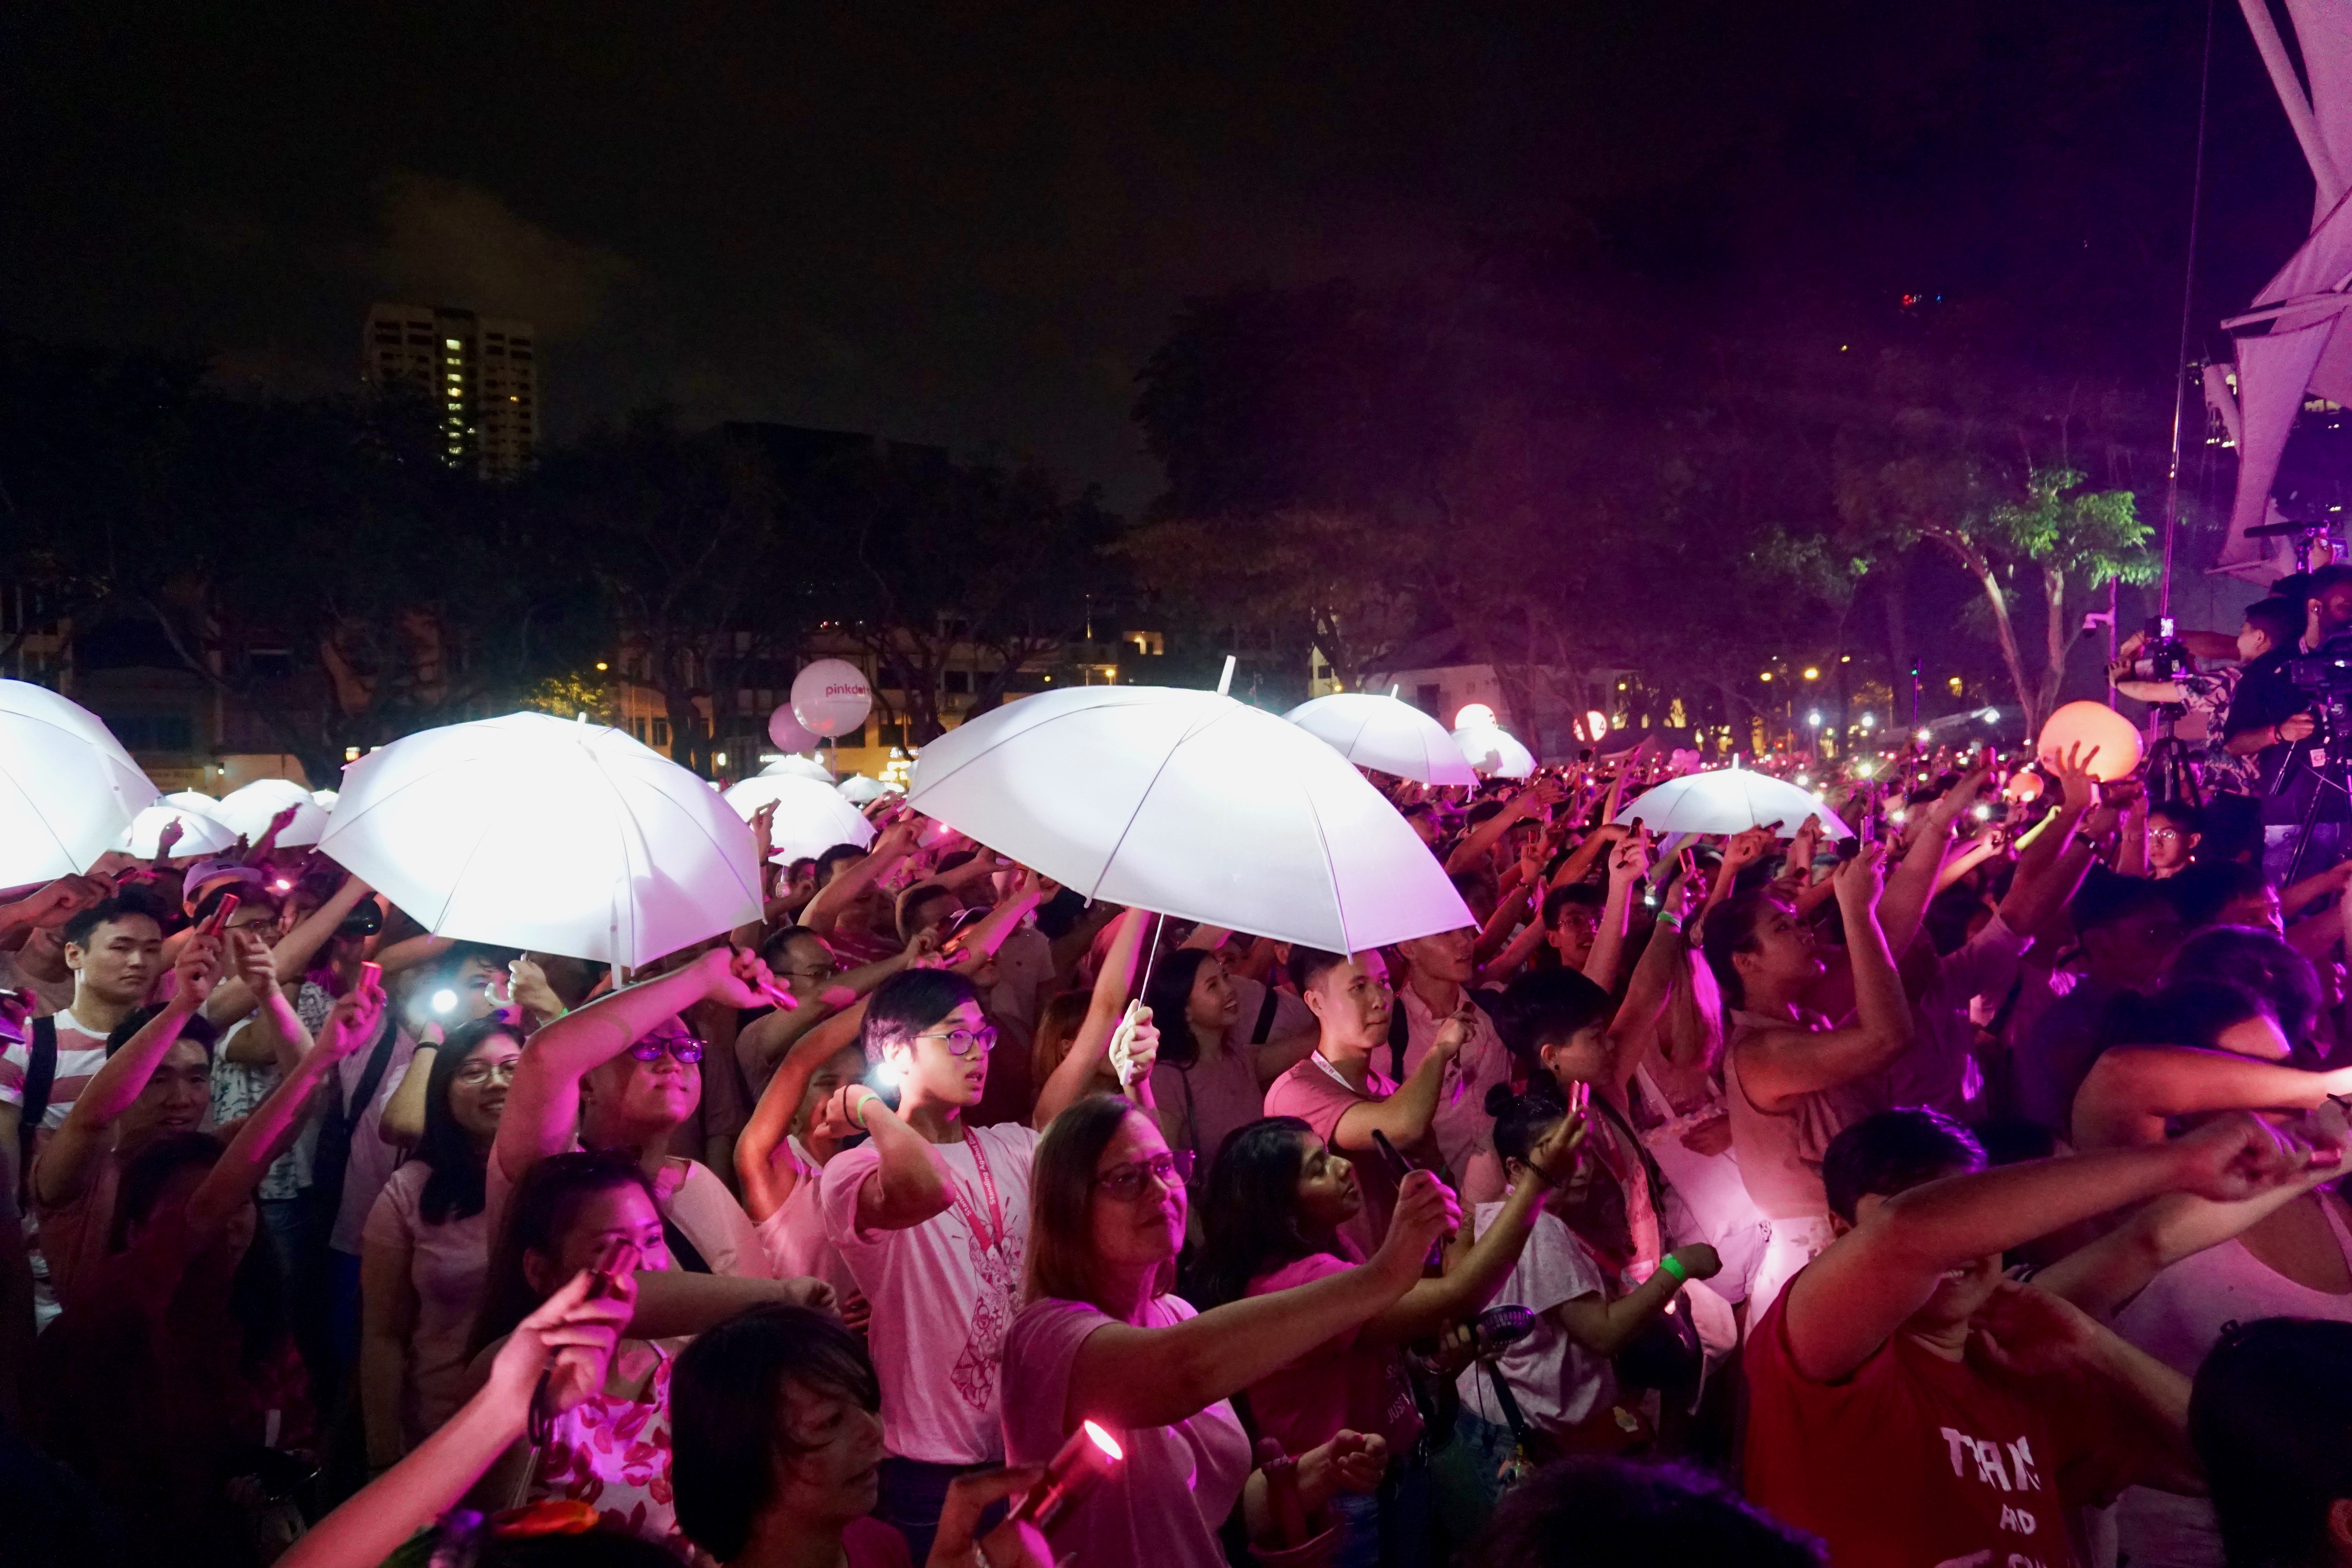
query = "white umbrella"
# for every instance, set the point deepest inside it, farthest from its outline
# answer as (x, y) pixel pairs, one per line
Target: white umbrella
(810, 817)
(248, 811)
(1494, 750)
(1729, 800)
(798, 767)
(1376, 731)
(858, 789)
(67, 789)
(537, 832)
(325, 797)
(200, 832)
(1193, 804)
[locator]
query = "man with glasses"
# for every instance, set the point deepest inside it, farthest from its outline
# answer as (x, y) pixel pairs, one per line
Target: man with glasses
(806, 964)
(625, 1072)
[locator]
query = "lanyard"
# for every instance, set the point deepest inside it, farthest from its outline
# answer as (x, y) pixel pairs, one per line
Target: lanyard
(993, 1235)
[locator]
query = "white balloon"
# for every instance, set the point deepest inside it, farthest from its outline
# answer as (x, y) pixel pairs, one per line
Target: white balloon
(788, 732)
(831, 697)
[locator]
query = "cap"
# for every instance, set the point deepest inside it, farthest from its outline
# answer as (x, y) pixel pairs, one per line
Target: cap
(204, 873)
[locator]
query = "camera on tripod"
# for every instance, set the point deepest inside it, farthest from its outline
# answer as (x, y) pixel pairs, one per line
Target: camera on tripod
(2162, 655)
(2326, 670)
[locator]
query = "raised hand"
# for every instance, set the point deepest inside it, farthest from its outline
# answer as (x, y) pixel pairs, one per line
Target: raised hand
(353, 1021)
(527, 983)
(1350, 1462)
(2240, 1155)
(738, 977)
(199, 969)
(2077, 788)
(1745, 848)
(1859, 882)
(2033, 1332)
(1555, 1154)
(254, 964)
(571, 1336)
(59, 902)
(1427, 1211)
(1630, 861)
(172, 833)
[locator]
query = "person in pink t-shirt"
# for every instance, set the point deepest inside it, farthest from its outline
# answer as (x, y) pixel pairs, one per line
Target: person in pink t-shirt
(1102, 1340)
(932, 1218)
(1279, 1206)
(1340, 1094)
(776, 1444)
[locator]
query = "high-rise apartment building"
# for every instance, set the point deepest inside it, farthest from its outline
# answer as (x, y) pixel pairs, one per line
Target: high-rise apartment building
(480, 373)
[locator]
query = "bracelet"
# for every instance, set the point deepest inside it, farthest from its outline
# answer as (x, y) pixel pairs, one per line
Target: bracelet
(858, 1115)
(1672, 1265)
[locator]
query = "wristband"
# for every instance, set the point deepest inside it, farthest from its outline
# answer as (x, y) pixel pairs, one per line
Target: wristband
(858, 1113)
(1672, 1265)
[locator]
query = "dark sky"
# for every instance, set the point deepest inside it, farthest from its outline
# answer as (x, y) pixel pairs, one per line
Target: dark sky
(965, 223)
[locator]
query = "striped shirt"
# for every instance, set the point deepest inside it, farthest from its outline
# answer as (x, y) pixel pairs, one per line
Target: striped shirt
(82, 1051)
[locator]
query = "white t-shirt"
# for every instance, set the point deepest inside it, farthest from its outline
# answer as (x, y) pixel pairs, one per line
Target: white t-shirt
(1556, 1382)
(942, 1292)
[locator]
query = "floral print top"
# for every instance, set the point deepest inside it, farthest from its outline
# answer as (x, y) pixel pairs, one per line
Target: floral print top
(612, 1453)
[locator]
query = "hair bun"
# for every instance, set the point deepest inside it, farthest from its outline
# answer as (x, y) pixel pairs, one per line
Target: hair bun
(1499, 1099)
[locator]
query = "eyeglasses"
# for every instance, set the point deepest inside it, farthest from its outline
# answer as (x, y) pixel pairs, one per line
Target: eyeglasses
(685, 1047)
(964, 1042)
(1125, 1183)
(816, 972)
(2165, 835)
(473, 1075)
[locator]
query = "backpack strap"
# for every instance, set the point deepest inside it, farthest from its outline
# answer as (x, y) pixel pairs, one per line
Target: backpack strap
(40, 1080)
(1265, 1024)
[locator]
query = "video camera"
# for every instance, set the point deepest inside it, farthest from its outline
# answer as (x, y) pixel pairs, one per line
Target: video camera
(2162, 656)
(2326, 670)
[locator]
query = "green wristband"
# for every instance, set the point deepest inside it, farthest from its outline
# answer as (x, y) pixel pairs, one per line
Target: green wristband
(1672, 1265)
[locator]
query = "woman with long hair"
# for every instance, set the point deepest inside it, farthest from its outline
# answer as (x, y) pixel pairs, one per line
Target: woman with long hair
(1104, 1338)
(1218, 1049)
(426, 1246)
(1278, 1198)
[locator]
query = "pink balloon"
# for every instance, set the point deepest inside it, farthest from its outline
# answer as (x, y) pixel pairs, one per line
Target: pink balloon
(2090, 725)
(788, 732)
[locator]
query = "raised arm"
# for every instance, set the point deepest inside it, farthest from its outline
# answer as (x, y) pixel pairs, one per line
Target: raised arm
(542, 1111)
(233, 998)
(2132, 1090)
(1853, 1298)
(1627, 866)
(908, 1188)
(1634, 1028)
(68, 1162)
(1588, 849)
(825, 911)
(1913, 882)
(1404, 1116)
(1131, 1377)
(1779, 1064)
(1091, 1045)
(1471, 1280)
(1488, 833)
(275, 1034)
(765, 1181)
(981, 943)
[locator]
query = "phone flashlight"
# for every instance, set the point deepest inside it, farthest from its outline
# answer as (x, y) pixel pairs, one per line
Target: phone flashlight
(444, 1001)
(1089, 1455)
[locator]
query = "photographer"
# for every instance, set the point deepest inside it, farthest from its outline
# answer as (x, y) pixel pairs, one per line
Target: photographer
(2273, 719)
(2205, 699)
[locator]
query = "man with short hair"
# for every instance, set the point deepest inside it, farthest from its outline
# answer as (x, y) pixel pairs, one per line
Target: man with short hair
(1910, 1404)
(2127, 928)
(115, 949)
(1436, 997)
(2174, 827)
(1571, 915)
(2273, 724)
(1343, 1095)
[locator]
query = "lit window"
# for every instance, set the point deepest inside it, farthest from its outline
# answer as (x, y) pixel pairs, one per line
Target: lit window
(452, 406)
(450, 342)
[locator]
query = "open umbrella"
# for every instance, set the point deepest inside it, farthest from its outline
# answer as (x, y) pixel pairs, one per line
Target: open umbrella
(1193, 805)
(1376, 731)
(200, 832)
(810, 817)
(798, 767)
(1729, 800)
(1494, 751)
(536, 832)
(858, 789)
(248, 811)
(67, 789)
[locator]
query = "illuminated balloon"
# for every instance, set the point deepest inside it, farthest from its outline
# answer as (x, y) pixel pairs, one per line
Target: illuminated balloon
(2089, 724)
(1476, 716)
(831, 698)
(788, 732)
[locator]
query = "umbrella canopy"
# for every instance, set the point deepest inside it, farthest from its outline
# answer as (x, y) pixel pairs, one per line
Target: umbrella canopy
(798, 767)
(248, 811)
(67, 789)
(1376, 731)
(200, 832)
(537, 832)
(811, 818)
(1729, 800)
(859, 790)
(1193, 805)
(1494, 751)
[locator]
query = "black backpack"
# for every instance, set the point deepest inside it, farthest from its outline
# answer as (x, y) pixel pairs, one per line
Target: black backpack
(40, 1079)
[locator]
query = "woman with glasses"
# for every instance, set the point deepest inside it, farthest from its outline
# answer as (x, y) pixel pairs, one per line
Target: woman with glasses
(426, 1246)
(625, 1073)
(931, 1217)
(1103, 1339)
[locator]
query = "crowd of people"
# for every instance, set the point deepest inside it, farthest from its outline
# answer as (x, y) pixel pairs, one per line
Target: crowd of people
(1961, 1191)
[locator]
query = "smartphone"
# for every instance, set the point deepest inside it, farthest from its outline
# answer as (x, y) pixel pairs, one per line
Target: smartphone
(1090, 1454)
(218, 921)
(1398, 1167)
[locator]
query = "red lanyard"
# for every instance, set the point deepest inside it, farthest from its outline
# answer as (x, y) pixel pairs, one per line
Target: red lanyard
(991, 1237)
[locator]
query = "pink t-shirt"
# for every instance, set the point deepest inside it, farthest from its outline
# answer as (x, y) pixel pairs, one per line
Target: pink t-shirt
(1314, 1092)
(794, 1236)
(1338, 1384)
(693, 1199)
(870, 1543)
(1163, 1506)
(942, 1292)
(447, 1264)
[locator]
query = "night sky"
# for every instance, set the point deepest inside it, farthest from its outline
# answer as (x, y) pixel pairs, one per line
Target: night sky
(969, 224)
